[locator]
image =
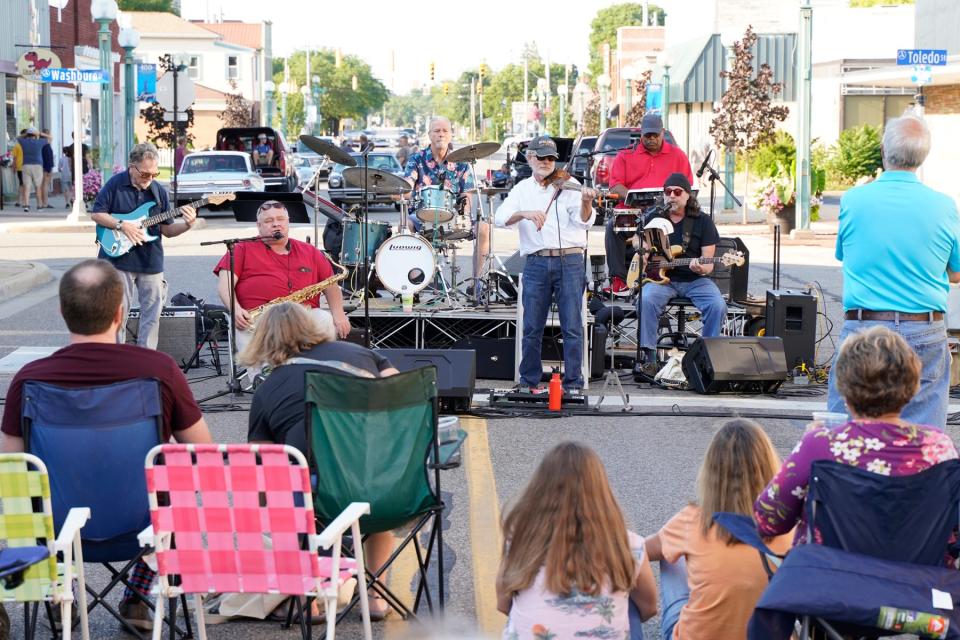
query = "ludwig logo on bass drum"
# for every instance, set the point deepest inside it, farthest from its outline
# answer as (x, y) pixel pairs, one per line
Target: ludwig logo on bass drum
(400, 247)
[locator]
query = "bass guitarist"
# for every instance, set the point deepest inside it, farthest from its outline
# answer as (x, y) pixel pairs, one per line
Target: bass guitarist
(697, 237)
(142, 266)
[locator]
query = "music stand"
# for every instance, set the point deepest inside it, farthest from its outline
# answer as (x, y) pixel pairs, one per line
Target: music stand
(247, 204)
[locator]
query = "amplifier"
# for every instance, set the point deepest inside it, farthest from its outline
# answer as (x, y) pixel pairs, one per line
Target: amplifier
(178, 332)
(745, 365)
(792, 316)
(496, 359)
(456, 372)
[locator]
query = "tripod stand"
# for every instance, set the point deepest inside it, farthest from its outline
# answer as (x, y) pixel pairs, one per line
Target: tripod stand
(233, 382)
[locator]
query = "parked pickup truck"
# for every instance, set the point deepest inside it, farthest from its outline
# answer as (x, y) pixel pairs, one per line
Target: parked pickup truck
(280, 174)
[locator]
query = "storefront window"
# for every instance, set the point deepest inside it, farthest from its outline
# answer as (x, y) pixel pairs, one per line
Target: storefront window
(10, 109)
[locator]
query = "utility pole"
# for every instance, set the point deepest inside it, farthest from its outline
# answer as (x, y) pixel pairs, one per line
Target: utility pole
(526, 95)
(473, 108)
(803, 117)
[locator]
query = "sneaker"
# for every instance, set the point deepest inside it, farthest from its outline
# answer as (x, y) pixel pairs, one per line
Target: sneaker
(617, 287)
(645, 372)
(137, 614)
(26, 209)
(575, 392)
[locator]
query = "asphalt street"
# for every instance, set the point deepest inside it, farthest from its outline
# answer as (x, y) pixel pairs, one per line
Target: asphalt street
(652, 454)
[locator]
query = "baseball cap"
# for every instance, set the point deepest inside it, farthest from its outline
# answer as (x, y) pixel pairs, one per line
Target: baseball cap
(544, 147)
(31, 131)
(651, 123)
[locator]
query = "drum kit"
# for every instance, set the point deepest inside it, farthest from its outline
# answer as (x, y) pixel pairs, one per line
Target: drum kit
(406, 262)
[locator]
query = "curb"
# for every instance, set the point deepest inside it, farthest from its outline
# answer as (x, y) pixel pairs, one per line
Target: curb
(33, 274)
(61, 226)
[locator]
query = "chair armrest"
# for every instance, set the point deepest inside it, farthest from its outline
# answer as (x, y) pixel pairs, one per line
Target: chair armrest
(347, 517)
(146, 537)
(744, 529)
(76, 518)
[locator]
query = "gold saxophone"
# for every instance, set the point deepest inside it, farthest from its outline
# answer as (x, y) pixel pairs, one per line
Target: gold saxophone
(301, 295)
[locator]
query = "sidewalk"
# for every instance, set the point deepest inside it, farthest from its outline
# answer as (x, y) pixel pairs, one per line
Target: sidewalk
(17, 278)
(14, 219)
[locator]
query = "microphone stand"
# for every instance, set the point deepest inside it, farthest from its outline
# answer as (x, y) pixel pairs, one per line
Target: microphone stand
(233, 383)
(363, 246)
(714, 178)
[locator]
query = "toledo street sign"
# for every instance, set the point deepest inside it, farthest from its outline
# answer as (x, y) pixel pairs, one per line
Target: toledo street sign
(937, 57)
(74, 75)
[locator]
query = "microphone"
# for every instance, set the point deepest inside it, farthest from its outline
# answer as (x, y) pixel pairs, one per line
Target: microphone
(706, 161)
(655, 211)
(276, 236)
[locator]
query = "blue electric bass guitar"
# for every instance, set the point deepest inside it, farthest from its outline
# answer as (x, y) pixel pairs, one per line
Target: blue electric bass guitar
(115, 243)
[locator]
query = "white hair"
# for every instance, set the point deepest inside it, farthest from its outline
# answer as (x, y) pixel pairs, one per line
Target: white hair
(906, 143)
(437, 119)
(324, 321)
(141, 151)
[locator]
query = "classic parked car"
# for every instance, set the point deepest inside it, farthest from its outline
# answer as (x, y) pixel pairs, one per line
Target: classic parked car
(344, 195)
(206, 172)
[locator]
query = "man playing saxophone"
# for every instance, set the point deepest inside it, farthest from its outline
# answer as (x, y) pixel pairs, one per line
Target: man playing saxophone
(274, 268)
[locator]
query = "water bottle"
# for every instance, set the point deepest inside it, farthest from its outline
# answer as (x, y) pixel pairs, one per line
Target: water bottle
(925, 625)
(556, 391)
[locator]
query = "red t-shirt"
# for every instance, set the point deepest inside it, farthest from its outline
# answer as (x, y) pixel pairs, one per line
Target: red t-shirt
(639, 169)
(262, 274)
(92, 364)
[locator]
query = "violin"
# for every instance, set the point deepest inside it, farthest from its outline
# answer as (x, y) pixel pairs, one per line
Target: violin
(563, 181)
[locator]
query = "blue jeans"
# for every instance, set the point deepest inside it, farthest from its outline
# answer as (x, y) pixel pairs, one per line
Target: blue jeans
(929, 342)
(545, 279)
(674, 594)
(704, 294)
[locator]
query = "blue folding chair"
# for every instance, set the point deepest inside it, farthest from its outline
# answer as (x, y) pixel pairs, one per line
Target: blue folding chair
(883, 545)
(94, 441)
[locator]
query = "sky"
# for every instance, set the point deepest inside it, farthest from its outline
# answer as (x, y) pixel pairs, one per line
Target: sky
(456, 36)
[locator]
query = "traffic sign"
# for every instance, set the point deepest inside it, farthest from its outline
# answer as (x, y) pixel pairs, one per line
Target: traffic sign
(936, 57)
(168, 116)
(74, 75)
(185, 91)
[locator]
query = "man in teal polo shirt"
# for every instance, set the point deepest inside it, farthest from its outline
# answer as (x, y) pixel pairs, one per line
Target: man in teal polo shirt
(899, 242)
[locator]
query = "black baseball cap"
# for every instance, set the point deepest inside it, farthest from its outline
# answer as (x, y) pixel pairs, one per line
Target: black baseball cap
(544, 147)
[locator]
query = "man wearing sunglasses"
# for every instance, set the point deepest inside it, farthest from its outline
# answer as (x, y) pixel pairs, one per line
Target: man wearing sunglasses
(644, 167)
(142, 266)
(273, 268)
(697, 236)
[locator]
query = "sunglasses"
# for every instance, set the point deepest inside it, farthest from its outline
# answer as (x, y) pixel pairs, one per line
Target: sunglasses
(271, 205)
(144, 174)
(672, 191)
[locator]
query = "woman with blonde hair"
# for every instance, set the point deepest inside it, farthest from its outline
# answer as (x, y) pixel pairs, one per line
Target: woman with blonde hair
(290, 340)
(709, 582)
(569, 564)
(877, 373)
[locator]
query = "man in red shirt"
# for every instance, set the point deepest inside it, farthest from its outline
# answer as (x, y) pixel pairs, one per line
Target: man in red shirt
(274, 268)
(91, 303)
(645, 167)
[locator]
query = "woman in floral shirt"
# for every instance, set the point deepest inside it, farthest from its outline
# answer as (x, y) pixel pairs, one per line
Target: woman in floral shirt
(877, 374)
(569, 563)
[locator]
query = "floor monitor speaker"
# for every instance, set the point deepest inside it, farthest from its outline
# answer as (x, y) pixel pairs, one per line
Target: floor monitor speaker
(743, 365)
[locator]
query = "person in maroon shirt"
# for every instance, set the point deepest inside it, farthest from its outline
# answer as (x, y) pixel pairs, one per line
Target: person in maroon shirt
(645, 167)
(91, 303)
(274, 268)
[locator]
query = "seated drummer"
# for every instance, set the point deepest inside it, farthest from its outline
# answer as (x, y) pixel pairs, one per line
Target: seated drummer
(697, 237)
(427, 168)
(269, 269)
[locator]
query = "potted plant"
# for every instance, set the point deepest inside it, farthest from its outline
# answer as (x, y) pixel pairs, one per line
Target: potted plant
(92, 182)
(777, 197)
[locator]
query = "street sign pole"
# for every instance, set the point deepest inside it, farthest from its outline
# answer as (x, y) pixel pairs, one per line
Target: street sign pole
(176, 132)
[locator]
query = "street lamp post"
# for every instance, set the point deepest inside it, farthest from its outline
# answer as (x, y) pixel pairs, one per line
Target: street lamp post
(543, 95)
(284, 90)
(562, 92)
(305, 92)
(316, 101)
(105, 12)
(603, 84)
(268, 90)
(129, 39)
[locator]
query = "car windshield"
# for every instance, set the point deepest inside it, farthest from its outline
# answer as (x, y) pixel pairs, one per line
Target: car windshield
(218, 164)
(377, 161)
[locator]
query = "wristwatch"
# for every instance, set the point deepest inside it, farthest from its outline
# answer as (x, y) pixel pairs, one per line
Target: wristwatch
(119, 224)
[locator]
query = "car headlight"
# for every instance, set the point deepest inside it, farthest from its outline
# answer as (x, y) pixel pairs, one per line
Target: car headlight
(334, 181)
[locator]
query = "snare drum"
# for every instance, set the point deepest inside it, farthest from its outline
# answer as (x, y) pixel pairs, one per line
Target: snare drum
(437, 205)
(350, 252)
(625, 220)
(405, 263)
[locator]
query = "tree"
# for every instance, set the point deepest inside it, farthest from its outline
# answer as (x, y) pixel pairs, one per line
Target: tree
(604, 27)
(159, 131)
(239, 111)
(747, 116)
(405, 111)
(166, 6)
(635, 115)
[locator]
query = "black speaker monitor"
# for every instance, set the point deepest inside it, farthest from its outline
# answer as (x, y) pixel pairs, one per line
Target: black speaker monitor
(178, 332)
(792, 316)
(744, 365)
(496, 358)
(456, 372)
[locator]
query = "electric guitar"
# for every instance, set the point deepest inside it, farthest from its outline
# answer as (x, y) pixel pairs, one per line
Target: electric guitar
(116, 243)
(656, 270)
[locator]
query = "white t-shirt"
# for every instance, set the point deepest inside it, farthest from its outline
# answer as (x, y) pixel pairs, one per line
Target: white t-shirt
(564, 215)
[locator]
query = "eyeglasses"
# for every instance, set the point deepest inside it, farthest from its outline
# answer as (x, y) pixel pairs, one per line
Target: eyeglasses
(145, 174)
(271, 205)
(672, 191)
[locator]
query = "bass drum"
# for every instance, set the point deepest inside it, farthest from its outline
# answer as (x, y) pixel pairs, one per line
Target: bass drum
(405, 263)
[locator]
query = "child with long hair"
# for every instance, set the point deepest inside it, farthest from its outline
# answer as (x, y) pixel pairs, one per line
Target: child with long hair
(569, 564)
(709, 582)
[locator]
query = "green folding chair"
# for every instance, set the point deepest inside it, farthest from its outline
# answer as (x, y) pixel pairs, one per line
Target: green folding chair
(374, 440)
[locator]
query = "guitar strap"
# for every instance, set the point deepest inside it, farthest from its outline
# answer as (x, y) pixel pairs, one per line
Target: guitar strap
(155, 192)
(687, 233)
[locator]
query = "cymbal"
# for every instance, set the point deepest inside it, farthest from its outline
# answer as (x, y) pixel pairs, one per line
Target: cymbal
(324, 148)
(489, 191)
(378, 181)
(473, 152)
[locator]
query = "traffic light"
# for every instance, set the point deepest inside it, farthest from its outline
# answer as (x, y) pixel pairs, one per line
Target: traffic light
(480, 88)
(483, 71)
(446, 88)
(433, 69)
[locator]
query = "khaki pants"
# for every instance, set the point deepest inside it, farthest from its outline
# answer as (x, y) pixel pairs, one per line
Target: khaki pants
(33, 179)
